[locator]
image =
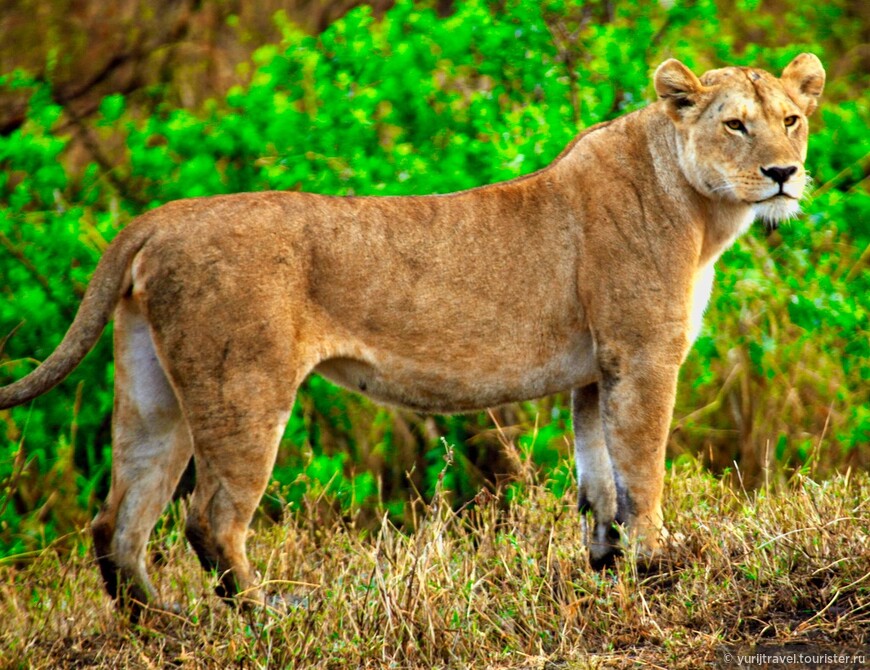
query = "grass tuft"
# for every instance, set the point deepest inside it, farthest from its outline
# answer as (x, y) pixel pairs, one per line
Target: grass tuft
(492, 585)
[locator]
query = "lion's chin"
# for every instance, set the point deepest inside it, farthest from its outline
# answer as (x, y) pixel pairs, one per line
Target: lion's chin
(774, 211)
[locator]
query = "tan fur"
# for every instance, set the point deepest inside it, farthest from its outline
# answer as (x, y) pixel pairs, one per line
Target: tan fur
(591, 275)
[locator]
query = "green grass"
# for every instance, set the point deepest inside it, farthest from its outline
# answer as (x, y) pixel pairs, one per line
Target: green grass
(492, 585)
(413, 102)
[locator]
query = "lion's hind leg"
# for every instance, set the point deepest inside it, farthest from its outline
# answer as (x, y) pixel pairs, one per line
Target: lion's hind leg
(236, 442)
(237, 386)
(595, 477)
(151, 447)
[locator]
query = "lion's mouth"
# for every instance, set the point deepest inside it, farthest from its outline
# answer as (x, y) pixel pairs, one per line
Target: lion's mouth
(781, 194)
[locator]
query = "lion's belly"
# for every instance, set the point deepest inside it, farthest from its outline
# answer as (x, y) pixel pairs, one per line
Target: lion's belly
(466, 384)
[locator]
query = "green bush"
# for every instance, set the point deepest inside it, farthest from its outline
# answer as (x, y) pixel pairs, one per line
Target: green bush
(416, 103)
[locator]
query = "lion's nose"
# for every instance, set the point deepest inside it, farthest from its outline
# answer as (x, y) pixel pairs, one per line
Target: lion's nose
(779, 174)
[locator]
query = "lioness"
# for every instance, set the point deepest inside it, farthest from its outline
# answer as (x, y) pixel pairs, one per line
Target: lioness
(591, 274)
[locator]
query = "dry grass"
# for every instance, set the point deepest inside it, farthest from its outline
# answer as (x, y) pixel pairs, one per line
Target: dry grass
(490, 586)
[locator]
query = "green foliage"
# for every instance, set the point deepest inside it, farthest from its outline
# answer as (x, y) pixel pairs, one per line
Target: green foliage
(417, 103)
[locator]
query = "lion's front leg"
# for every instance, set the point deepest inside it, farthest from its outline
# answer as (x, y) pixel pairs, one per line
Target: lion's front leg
(638, 388)
(596, 487)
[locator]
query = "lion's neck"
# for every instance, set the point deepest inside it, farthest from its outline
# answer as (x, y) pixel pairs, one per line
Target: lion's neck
(725, 222)
(718, 222)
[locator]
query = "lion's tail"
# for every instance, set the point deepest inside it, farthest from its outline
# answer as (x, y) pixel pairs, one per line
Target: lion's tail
(109, 282)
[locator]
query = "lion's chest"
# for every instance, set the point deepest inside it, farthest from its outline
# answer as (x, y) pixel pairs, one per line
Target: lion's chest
(729, 226)
(702, 288)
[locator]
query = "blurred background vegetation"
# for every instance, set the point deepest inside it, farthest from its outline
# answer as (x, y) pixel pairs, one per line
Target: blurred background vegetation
(108, 109)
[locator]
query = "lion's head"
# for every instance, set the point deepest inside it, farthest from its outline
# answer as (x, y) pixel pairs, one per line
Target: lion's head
(742, 133)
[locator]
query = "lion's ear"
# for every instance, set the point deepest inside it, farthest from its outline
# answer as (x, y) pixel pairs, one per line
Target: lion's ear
(678, 85)
(804, 80)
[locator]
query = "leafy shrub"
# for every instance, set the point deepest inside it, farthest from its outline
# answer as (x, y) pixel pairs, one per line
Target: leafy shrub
(417, 103)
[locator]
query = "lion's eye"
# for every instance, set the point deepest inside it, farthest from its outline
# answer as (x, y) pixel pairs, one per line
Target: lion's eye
(736, 124)
(789, 121)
